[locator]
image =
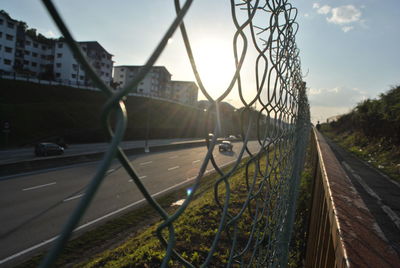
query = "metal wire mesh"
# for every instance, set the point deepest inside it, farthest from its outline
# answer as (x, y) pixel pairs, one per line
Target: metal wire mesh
(281, 125)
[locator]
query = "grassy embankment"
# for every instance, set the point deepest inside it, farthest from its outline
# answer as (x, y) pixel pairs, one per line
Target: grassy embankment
(121, 243)
(372, 132)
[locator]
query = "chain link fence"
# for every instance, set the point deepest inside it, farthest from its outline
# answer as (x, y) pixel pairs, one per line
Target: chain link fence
(277, 116)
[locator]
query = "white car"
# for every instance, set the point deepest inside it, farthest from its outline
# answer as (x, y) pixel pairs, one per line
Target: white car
(225, 146)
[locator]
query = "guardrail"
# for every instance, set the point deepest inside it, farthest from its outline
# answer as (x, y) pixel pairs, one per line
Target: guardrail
(342, 231)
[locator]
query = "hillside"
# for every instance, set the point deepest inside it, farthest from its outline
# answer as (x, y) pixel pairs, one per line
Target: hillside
(372, 131)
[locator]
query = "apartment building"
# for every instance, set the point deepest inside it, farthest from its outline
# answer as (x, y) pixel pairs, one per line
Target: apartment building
(25, 53)
(154, 83)
(33, 55)
(183, 91)
(67, 70)
(8, 37)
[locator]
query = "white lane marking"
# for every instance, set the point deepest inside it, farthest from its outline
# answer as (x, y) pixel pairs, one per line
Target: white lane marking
(389, 212)
(172, 157)
(110, 170)
(146, 163)
(39, 186)
(140, 178)
(196, 161)
(73, 197)
(16, 255)
(172, 168)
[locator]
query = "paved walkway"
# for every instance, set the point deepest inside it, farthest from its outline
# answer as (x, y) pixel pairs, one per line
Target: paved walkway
(380, 194)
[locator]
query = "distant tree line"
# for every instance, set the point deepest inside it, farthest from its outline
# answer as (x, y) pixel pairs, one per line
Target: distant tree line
(375, 118)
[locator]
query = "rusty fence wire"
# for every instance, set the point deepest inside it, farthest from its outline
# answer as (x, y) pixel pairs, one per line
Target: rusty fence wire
(278, 114)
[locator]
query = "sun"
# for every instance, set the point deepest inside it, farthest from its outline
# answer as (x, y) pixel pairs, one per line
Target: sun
(215, 64)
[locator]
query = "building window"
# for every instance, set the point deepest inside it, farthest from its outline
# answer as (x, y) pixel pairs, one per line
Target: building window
(58, 65)
(107, 74)
(81, 77)
(60, 45)
(1, 34)
(27, 52)
(28, 43)
(75, 67)
(108, 65)
(10, 25)
(122, 69)
(34, 64)
(44, 47)
(9, 37)
(121, 75)
(73, 75)
(43, 57)
(8, 49)
(1, 22)
(34, 54)
(59, 55)
(7, 62)
(26, 62)
(58, 75)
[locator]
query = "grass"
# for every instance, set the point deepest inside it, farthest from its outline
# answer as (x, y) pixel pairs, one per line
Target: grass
(378, 153)
(195, 230)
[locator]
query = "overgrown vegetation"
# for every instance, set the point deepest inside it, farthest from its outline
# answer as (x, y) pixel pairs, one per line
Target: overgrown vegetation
(372, 131)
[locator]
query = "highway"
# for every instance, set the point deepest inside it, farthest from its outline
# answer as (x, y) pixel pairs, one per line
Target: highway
(34, 207)
(23, 154)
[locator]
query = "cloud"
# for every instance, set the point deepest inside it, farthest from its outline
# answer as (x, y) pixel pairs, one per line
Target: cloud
(344, 15)
(316, 5)
(347, 28)
(336, 97)
(324, 10)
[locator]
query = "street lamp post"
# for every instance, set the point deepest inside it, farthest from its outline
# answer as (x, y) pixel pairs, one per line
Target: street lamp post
(146, 142)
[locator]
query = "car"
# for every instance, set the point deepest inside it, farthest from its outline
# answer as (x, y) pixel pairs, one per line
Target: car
(231, 138)
(225, 146)
(47, 148)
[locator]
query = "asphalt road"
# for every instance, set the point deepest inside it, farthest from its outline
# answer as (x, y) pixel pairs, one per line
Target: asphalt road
(34, 207)
(380, 194)
(23, 154)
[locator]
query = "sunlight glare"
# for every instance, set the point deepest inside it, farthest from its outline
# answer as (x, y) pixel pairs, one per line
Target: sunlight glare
(215, 63)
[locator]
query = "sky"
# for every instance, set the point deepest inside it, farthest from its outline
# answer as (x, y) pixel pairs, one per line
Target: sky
(348, 48)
